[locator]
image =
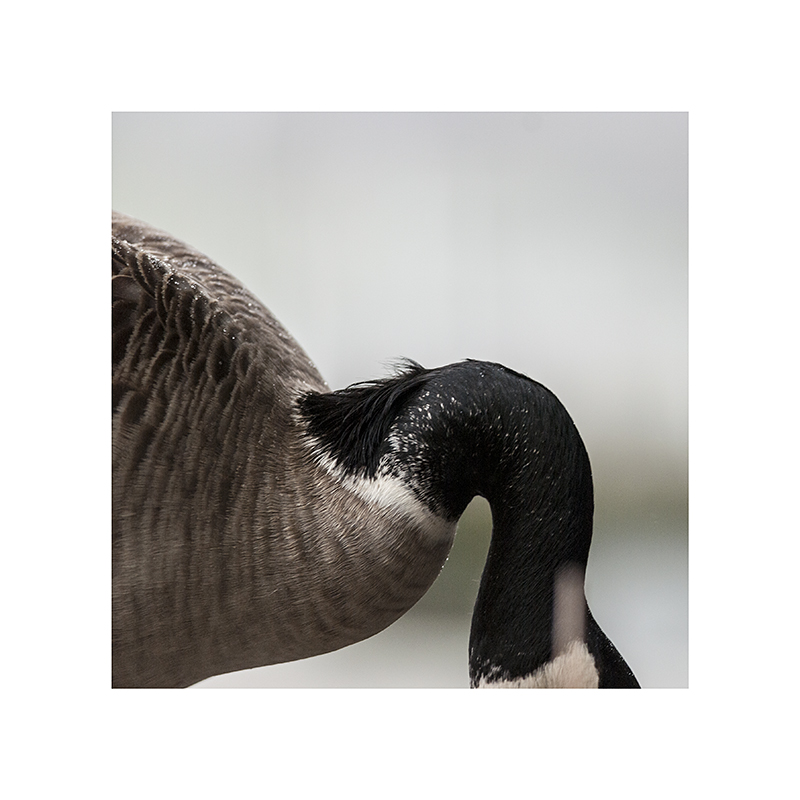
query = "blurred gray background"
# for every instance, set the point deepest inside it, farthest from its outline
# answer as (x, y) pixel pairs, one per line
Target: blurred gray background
(553, 243)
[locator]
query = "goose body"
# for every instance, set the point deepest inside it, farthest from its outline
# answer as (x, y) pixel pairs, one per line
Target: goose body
(260, 518)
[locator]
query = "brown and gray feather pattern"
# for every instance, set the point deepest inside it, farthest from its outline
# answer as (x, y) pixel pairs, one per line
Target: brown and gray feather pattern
(232, 548)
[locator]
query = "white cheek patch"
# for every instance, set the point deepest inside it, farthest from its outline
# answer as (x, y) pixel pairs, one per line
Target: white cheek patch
(569, 607)
(573, 669)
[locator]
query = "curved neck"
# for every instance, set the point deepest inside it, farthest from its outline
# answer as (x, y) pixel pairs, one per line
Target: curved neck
(471, 428)
(479, 428)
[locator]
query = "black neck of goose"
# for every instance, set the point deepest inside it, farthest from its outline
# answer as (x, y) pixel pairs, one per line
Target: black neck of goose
(538, 539)
(479, 428)
(476, 428)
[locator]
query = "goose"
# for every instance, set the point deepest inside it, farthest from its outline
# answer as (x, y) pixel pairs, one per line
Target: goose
(260, 518)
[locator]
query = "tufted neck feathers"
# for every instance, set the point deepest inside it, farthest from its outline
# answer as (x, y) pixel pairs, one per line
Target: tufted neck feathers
(471, 428)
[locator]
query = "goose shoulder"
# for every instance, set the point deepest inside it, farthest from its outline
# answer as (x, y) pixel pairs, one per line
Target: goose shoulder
(172, 303)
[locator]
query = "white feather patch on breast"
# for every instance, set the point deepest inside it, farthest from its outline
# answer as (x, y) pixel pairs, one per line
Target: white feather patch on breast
(572, 669)
(390, 494)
